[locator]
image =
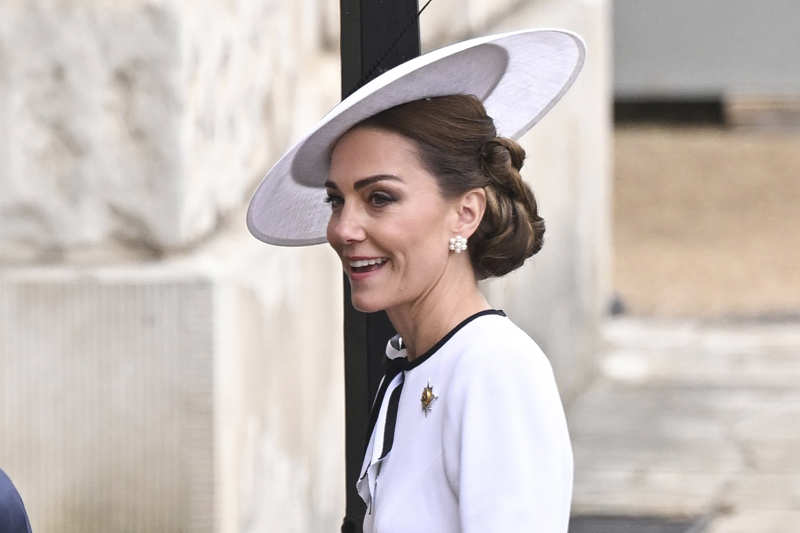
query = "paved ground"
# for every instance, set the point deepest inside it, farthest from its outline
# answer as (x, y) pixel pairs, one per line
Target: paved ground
(693, 418)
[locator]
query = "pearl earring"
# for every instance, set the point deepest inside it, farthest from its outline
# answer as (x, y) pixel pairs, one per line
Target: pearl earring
(458, 244)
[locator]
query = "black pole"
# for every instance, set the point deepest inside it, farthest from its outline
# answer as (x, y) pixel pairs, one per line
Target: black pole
(376, 35)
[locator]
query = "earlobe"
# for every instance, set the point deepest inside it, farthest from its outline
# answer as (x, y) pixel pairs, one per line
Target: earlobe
(470, 211)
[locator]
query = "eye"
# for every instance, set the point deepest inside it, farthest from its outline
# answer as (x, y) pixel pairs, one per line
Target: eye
(334, 200)
(380, 199)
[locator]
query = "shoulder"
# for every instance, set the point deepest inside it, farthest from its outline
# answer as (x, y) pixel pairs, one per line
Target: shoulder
(504, 426)
(7, 489)
(496, 347)
(13, 517)
(498, 366)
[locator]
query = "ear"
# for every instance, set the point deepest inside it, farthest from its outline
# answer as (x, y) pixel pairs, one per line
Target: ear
(469, 209)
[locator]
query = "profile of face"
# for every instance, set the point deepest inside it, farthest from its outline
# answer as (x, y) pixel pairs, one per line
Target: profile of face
(389, 223)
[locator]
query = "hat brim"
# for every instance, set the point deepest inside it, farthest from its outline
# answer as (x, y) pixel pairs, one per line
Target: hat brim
(518, 76)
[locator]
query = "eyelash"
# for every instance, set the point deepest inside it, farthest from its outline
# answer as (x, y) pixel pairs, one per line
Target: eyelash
(333, 201)
(382, 198)
(376, 199)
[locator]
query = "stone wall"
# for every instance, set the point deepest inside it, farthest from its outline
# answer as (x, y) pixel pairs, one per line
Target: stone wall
(160, 370)
(128, 134)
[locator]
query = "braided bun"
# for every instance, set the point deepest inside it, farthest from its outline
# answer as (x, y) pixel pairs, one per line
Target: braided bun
(458, 144)
(511, 229)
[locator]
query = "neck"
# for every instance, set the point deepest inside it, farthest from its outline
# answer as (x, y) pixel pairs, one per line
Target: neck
(423, 322)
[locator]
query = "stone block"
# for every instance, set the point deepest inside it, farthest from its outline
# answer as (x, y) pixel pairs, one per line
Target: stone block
(198, 394)
(439, 26)
(106, 390)
(131, 128)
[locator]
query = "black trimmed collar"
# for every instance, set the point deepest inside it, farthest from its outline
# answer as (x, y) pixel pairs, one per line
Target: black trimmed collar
(396, 366)
(402, 363)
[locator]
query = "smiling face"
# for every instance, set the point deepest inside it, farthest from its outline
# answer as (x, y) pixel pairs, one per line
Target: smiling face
(389, 223)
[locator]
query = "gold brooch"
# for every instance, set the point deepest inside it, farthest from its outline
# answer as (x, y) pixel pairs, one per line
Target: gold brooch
(427, 398)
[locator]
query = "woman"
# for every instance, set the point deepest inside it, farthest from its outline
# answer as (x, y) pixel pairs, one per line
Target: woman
(467, 432)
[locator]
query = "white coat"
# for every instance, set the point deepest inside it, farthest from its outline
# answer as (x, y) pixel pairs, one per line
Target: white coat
(485, 450)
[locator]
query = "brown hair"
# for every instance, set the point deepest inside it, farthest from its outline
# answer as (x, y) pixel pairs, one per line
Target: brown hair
(458, 144)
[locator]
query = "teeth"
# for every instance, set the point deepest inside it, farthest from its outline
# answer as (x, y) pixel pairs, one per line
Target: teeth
(367, 262)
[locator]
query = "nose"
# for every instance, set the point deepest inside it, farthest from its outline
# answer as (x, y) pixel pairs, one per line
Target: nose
(345, 227)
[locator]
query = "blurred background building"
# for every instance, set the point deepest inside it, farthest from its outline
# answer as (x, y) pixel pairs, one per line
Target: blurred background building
(160, 370)
(690, 425)
(707, 102)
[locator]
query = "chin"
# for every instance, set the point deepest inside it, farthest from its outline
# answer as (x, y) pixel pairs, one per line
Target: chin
(365, 304)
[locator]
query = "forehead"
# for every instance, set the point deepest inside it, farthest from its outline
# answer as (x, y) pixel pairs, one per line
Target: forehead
(365, 152)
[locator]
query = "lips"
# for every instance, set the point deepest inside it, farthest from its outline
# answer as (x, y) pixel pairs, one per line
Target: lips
(361, 267)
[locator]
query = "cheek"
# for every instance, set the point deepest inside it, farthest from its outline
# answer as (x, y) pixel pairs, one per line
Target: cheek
(425, 249)
(330, 235)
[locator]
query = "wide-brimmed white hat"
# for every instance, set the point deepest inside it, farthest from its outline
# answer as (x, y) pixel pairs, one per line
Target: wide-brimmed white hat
(518, 76)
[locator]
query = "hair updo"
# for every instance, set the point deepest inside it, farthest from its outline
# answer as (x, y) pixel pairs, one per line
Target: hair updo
(458, 144)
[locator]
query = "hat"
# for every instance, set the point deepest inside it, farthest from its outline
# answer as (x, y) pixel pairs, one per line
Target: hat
(518, 76)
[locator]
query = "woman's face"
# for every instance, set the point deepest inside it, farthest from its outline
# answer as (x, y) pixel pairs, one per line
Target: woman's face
(389, 222)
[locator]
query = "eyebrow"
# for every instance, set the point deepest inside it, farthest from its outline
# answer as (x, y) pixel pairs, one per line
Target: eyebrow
(360, 184)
